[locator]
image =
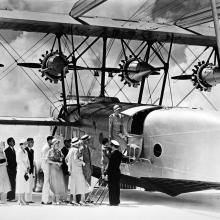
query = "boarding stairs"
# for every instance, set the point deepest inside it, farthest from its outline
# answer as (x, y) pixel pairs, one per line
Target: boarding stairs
(99, 192)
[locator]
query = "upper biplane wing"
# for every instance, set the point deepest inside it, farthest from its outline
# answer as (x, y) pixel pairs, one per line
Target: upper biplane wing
(112, 28)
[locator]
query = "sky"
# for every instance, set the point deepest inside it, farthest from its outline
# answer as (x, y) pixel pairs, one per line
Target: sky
(20, 96)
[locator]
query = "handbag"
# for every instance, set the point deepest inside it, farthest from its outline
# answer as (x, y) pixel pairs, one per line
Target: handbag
(26, 177)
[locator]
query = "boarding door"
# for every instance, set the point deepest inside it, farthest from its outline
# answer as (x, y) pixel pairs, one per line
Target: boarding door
(134, 147)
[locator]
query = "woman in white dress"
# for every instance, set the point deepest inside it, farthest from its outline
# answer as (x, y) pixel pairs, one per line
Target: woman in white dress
(22, 177)
(5, 185)
(78, 183)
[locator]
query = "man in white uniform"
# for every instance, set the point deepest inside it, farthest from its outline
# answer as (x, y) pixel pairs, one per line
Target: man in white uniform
(46, 194)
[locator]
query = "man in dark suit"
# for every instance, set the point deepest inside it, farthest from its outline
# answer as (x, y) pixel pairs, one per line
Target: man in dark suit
(30, 151)
(11, 167)
(65, 150)
(87, 168)
(114, 174)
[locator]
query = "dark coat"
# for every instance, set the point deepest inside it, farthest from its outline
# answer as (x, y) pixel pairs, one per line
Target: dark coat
(114, 163)
(64, 166)
(11, 159)
(87, 169)
(31, 159)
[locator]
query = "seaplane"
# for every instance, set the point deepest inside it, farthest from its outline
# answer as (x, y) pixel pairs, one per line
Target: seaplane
(171, 149)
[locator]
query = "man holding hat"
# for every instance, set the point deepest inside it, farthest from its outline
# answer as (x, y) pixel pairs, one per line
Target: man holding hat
(116, 127)
(114, 174)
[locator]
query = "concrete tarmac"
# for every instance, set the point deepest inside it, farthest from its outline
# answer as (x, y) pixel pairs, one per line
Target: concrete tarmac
(135, 204)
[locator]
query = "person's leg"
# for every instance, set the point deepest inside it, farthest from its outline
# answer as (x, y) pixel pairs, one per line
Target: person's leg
(114, 190)
(12, 176)
(4, 198)
(66, 181)
(1, 197)
(111, 190)
(71, 197)
(117, 191)
(28, 195)
(46, 186)
(20, 202)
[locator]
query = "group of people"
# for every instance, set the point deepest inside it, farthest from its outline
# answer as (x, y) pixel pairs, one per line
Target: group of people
(64, 167)
(61, 165)
(17, 171)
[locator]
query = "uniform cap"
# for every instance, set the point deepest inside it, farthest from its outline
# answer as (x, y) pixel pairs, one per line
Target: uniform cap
(115, 143)
(116, 107)
(85, 137)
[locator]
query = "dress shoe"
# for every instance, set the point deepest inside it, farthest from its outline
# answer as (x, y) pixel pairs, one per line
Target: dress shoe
(48, 203)
(114, 204)
(74, 203)
(12, 200)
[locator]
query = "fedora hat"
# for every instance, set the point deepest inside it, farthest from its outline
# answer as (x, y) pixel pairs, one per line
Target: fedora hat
(116, 107)
(74, 141)
(85, 137)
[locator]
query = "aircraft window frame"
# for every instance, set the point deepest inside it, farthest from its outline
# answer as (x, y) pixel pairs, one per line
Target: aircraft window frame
(138, 130)
(157, 152)
(74, 132)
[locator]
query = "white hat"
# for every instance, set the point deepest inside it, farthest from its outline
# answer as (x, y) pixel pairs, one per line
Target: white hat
(85, 137)
(22, 141)
(74, 141)
(116, 107)
(115, 143)
(54, 141)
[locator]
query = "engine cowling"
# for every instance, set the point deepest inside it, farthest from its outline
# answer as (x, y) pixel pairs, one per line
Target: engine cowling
(205, 76)
(133, 70)
(52, 66)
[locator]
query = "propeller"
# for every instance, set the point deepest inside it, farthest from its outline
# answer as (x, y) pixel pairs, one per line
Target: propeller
(155, 73)
(30, 65)
(182, 77)
(107, 69)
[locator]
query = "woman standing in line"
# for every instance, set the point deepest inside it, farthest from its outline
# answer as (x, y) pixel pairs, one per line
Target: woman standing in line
(22, 177)
(5, 185)
(56, 177)
(78, 183)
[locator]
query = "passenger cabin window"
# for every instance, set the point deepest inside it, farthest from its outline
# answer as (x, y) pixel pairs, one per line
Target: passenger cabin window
(137, 123)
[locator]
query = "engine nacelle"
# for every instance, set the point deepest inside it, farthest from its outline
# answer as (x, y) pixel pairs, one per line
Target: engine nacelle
(133, 70)
(52, 66)
(205, 76)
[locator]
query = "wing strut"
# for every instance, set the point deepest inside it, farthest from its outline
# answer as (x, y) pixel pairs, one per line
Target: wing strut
(216, 23)
(102, 94)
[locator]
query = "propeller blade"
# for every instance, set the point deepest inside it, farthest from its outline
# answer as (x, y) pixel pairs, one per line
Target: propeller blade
(30, 65)
(182, 77)
(155, 73)
(107, 69)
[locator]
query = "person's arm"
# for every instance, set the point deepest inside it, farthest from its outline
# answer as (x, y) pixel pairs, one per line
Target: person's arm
(110, 126)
